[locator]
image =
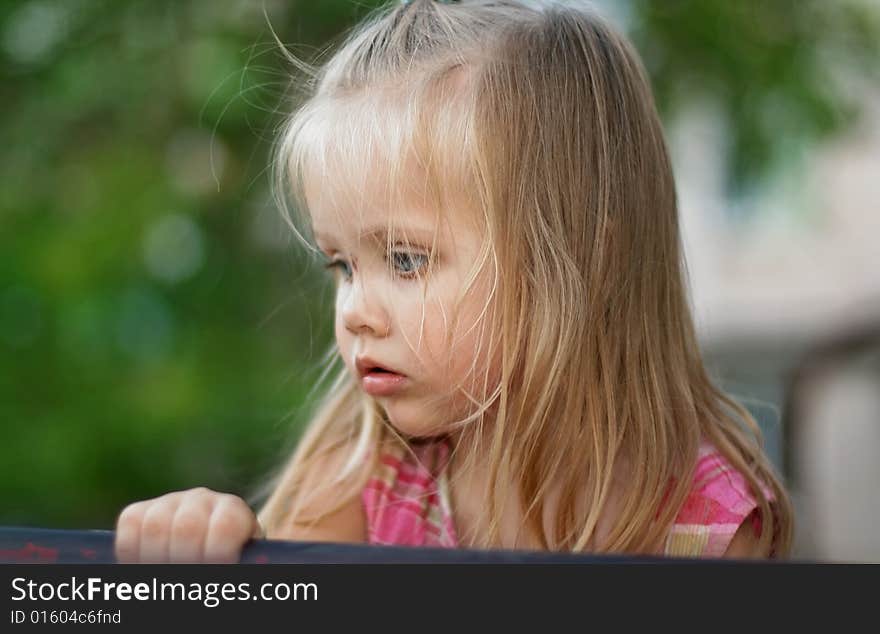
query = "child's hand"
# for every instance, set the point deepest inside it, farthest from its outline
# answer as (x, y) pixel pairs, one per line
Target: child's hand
(197, 525)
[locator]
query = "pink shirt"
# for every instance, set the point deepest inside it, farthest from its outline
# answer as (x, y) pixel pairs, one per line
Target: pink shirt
(407, 503)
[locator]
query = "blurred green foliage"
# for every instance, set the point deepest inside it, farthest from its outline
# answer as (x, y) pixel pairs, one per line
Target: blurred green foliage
(783, 73)
(159, 329)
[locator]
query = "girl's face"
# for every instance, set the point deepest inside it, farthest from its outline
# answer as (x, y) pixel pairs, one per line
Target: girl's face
(395, 307)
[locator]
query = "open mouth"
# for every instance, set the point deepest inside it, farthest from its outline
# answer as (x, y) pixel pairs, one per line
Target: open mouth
(367, 367)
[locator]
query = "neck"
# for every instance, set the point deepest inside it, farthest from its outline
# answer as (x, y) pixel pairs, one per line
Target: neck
(469, 485)
(469, 477)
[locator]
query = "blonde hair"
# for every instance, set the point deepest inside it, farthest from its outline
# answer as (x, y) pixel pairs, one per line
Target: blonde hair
(546, 117)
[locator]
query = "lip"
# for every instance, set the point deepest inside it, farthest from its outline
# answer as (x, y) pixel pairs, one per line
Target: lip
(383, 384)
(364, 364)
(379, 383)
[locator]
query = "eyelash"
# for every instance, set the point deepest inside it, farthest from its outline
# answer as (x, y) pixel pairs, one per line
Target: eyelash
(338, 265)
(410, 256)
(343, 267)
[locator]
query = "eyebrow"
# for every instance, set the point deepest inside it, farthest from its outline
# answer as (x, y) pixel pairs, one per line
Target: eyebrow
(381, 231)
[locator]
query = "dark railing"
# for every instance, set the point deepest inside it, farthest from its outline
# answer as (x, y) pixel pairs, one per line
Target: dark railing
(42, 545)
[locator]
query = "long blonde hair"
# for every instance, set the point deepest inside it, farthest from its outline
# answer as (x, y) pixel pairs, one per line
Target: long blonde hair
(546, 117)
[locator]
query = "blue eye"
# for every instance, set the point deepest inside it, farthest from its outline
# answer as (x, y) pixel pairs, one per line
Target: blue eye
(408, 263)
(340, 266)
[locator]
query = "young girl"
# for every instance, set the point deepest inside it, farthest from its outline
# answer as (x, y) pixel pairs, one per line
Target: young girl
(489, 183)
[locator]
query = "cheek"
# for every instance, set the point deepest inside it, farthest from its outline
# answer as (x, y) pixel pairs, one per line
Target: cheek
(338, 331)
(422, 326)
(478, 351)
(343, 337)
(451, 329)
(475, 365)
(435, 333)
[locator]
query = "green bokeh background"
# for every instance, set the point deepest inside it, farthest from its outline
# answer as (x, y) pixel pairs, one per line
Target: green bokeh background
(159, 328)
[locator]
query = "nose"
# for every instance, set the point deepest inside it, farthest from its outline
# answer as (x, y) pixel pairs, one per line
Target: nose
(362, 313)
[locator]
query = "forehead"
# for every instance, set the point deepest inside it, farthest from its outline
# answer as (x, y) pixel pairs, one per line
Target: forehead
(374, 205)
(373, 161)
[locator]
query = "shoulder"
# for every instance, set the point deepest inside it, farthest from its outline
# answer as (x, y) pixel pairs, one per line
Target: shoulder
(331, 510)
(720, 515)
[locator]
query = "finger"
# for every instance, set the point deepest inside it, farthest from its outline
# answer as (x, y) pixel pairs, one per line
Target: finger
(156, 529)
(231, 525)
(188, 528)
(126, 544)
(259, 531)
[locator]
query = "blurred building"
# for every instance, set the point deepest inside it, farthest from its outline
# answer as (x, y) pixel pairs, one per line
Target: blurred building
(792, 270)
